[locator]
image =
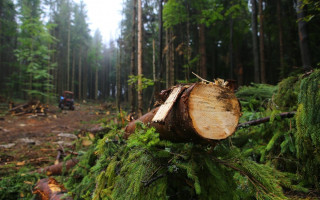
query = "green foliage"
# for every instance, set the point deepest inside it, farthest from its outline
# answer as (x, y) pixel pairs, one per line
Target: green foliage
(33, 52)
(133, 80)
(286, 98)
(18, 186)
(174, 12)
(149, 168)
(255, 96)
(307, 137)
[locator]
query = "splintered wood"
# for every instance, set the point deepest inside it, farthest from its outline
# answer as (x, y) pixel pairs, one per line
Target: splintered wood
(166, 107)
(33, 107)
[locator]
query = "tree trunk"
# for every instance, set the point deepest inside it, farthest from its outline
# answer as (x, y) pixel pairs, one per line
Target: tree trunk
(140, 73)
(200, 113)
(96, 84)
(154, 60)
(68, 53)
(262, 58)
(303, 36)
(231, 49)
(118, 80)
(159, 75)
(79, 77)
(283, 71)
(167, 59)
(73, 70)
(202, 51)
(255, 41)
(171, 68)
(133, 58)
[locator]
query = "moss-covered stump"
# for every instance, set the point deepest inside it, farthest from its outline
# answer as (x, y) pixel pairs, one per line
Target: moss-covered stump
(308, 129)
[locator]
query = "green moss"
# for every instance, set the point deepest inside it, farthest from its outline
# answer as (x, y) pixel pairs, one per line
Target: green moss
(286, 97)
(148, 168)
(307, 137)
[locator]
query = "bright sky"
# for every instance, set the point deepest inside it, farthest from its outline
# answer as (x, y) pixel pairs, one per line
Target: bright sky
(104, 15)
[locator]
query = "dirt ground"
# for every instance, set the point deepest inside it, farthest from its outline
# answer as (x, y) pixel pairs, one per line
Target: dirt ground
(32, 141)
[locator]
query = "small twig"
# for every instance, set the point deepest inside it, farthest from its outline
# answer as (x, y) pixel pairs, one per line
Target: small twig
(202, 79)
(147, 183)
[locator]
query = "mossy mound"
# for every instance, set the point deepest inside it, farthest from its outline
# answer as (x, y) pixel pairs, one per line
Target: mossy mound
(307, 137)
(145, 167)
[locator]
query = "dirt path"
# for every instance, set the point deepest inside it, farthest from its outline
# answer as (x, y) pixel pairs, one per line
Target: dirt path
(32, 141)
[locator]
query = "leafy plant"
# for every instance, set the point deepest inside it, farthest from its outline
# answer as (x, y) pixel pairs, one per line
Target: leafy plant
(133, 80)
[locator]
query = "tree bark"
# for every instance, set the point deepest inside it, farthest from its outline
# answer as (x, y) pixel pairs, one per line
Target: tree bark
(140, 73)
(159, 75)
(73, 70)
(118, 79)
(68, 51)
(133, 57)
(171, 68)
(202, 51)
(255, 41)
(281, 51)
(262, 58)
(303, 37)
(231, 49)
(201, 113)
(167, 59)
(79, 77)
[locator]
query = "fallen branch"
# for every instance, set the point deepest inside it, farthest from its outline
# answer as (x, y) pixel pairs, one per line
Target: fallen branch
(58, 168)
(49, 188)
(265, 119)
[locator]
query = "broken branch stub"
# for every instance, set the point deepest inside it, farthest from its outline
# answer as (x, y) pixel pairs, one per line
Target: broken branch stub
(200, 113)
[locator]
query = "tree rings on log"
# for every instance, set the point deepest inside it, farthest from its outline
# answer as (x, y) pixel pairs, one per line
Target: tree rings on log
(214, 111)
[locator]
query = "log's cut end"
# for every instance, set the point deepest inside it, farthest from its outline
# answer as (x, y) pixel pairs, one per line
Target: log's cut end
(214, 111)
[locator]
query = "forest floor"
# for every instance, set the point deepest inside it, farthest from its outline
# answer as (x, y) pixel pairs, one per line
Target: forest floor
(32, 142)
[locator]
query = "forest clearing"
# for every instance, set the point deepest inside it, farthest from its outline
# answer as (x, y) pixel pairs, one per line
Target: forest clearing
(183, 99)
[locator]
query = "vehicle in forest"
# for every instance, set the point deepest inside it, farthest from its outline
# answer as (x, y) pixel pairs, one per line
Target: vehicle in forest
(66, 100)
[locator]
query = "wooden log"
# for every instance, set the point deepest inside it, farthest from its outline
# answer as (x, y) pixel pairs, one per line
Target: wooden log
(58, 168)
(202, 113)
(49, 188)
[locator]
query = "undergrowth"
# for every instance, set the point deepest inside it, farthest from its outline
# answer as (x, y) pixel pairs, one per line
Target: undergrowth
(145, 167)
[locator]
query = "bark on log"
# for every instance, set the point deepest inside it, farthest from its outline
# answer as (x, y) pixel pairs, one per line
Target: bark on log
(50, 189)
(58, 168)
(202, 113)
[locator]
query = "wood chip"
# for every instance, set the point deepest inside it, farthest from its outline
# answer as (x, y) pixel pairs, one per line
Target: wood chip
(166, 107)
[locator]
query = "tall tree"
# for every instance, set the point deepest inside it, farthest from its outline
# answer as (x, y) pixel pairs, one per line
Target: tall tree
(280, 30)
(8, 37)
(303, 36)
(33, 52)
(140, 73)
(133, 55)
(255, 41)
(261, 37)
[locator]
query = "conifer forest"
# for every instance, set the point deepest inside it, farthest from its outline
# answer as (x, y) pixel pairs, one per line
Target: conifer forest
(191, 99)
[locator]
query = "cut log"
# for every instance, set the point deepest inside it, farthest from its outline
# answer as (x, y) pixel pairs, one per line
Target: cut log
(201, 113)
(58, 168)
(49, 188)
